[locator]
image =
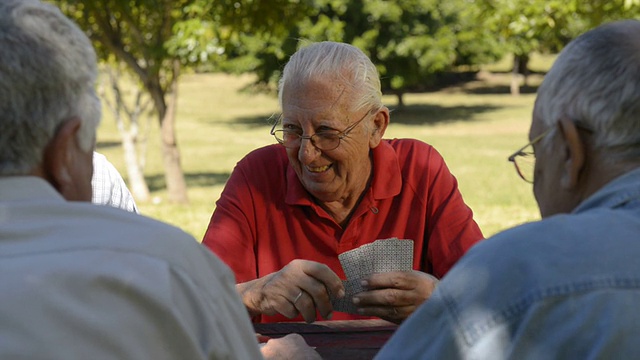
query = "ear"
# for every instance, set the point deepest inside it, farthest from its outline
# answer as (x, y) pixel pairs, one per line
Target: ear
(59, 156)
(574, 157)
(380, 123)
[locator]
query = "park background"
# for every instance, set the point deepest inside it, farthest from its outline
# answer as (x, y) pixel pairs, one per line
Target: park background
(188, 86)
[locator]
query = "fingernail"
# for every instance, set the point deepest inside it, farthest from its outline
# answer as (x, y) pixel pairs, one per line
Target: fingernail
(364, 283)
(356, 300)
(341, 293)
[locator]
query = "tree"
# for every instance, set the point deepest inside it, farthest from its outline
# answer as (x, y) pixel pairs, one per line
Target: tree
(137, 33)
(411, 41)
(525, 26)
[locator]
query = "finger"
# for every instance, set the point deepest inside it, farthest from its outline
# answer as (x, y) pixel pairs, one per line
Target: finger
(326, 285)
(405, 280)
(325, 275)
(284, 306)
(305, 305)
(316, 296)
(389, 313)
(385, 297)
(280, 290)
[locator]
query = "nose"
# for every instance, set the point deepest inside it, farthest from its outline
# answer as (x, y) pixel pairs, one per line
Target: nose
(308, 151)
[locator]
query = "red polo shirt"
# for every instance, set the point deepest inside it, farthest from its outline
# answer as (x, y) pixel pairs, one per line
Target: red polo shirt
(265, 218)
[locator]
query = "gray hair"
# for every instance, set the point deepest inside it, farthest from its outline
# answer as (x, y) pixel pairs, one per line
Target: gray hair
(343, 62)
(47, 73)
(596, 81)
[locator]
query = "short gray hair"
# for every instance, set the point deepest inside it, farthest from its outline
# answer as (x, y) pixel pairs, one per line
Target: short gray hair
(596, 80)
(47, 74)
(342, 62)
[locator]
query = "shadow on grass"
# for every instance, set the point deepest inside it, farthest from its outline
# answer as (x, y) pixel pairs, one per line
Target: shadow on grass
(497, 89)
(245, 122)
(157, 182)
(107, 144)
(423, 114)
(435, 114)
(256, 121)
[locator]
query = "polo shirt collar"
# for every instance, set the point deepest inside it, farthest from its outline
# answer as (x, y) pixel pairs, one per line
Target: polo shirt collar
(387, 179)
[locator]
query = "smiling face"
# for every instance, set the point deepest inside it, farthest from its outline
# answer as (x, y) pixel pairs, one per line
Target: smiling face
(341, 174)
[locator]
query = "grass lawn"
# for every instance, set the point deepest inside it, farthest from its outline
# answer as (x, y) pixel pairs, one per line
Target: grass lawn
(475, 127)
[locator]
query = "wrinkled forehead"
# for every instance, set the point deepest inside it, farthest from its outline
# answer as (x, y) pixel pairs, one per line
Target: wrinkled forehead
(316, 95)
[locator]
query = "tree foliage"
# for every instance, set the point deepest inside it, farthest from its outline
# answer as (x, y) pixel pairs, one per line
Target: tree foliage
(525, 26)
(411, 41)
(140, 34)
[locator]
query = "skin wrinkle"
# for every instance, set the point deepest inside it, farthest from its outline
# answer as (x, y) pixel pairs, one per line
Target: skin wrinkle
(338, 189)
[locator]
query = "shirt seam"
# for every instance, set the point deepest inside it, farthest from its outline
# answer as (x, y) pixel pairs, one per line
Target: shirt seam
(472, 333)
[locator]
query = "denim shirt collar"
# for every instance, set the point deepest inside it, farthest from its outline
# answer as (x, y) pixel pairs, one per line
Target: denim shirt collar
(618, 192)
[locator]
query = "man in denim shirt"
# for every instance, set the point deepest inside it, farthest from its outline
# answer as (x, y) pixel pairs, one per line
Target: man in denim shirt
(567, 286)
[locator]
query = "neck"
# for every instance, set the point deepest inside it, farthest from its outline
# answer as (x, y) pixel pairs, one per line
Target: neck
(343, 209)
(602, 170)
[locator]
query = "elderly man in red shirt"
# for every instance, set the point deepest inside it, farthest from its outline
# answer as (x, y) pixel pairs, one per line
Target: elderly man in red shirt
(333, 184)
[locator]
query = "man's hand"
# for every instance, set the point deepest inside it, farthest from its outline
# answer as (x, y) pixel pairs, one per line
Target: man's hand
(393, 296)
(289, 347)
(300, 287)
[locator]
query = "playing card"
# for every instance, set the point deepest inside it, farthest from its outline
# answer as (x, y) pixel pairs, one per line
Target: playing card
(366, 255)
(345, 304)
(392, 255)
(350, 262)
(379, 256)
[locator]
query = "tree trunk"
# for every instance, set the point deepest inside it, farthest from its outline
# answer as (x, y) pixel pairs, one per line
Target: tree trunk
(138, 185)
(176, 185)
(524, 69)
(117, 104)
(515, 76)
(399, 95)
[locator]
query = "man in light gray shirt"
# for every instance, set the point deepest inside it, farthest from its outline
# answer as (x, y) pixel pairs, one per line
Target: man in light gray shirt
(81, 281)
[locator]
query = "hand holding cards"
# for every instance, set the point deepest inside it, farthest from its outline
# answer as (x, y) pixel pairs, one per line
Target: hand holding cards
(380, 256)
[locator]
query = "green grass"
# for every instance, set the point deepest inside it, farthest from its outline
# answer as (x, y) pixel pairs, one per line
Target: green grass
(475, 128)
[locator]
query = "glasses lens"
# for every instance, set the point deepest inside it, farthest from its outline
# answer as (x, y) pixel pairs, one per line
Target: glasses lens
(525, 164)
(326, 140)
(287, 138)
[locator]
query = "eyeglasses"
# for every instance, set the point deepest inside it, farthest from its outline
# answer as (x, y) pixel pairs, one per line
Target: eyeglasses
(524, 158)
(323, 140)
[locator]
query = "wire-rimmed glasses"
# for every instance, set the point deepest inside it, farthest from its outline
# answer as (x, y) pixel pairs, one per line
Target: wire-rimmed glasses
(524, 159)
(323, 140)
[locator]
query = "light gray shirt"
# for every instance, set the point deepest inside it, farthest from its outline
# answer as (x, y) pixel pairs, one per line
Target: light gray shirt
(81, 281)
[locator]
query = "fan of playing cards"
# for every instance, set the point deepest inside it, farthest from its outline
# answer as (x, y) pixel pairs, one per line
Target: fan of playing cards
(379, 256)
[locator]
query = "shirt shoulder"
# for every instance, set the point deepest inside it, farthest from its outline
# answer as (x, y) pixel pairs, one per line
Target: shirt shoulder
(416, 157)
(409, 148)
(266, 157)
(515, 271)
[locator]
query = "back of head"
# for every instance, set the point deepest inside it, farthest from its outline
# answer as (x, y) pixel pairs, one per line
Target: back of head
(596, 81)
(345, 64)
(47, 74)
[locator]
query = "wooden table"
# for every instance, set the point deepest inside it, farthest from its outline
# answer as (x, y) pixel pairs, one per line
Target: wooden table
(340, 339)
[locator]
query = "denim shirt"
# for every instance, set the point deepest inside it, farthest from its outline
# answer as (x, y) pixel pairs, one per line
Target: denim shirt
(566, 287)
